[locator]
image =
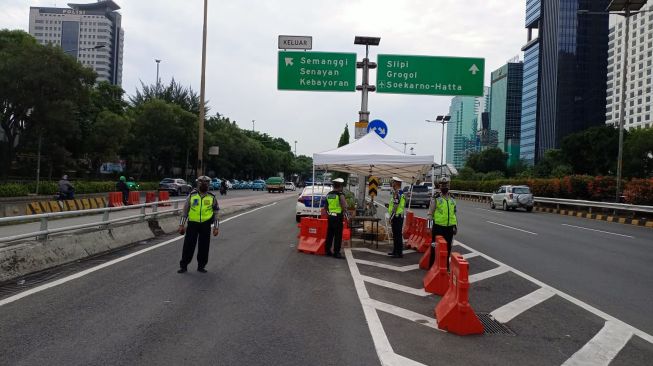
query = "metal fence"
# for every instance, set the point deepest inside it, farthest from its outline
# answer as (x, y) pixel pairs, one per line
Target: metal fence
(106, 220)
(589, 206)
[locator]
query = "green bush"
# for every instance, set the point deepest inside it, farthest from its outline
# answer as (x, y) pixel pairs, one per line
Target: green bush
(51, 188)
(13, 190)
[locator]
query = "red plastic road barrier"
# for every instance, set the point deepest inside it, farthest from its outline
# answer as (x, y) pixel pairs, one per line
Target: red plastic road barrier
(453, 312)
(134, 198)
(115, 199)
(150, 197)
(346, 232)
(412, 239)
(164, 196)
(407, 224)
(424, 240)
(424, 261)
(437, 280)
(312, 236)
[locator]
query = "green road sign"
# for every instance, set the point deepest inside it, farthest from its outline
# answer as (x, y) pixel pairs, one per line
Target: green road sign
(317, 71)
(430, 75)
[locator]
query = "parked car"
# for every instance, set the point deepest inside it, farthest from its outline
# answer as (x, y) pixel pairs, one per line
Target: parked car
(275, 184)
(420, 196)
(175, 186)
(258, 185)
(311, 201)
(290, 186)
(215, 183)
(512, 197)
(386, 187)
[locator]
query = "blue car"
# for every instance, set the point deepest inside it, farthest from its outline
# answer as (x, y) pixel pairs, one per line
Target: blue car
(258, 185)
(215, 184)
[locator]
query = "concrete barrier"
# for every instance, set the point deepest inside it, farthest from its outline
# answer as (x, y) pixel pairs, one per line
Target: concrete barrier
(37, 255)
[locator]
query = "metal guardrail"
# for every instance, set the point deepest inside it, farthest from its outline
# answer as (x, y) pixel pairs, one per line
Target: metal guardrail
(589, 205)
(106, 220)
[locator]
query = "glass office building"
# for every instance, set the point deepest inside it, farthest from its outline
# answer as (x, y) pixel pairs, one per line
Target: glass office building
(506, 106)
(565, 59)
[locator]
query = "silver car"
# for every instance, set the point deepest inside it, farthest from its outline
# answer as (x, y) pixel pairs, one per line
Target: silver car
(512, 197)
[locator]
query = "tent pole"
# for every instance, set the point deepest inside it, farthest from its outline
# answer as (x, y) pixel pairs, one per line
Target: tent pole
(313, 188)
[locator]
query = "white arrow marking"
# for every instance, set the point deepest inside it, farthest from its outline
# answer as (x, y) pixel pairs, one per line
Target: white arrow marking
(381, 130)
(474, 69)
(289, 61)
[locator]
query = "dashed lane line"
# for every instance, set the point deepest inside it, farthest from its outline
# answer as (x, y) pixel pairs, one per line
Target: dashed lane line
(407, 268)
(512, 309)
(603, 347)
(107, 264)
(396, 286)
(600, 231)
(510, 227)
(487, 274)
(384, 350)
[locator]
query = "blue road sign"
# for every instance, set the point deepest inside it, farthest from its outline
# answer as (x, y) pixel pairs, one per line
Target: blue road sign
(379, 127)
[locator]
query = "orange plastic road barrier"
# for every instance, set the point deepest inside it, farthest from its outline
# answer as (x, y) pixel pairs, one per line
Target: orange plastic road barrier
(312, 236)
(346, 232)
(424, 240)
(412, 239)
(407, 224)
(150, 197)
(115, 199)
(437, 280)
(424, 261)
(453, 312)
(164, 196)
(134, 198)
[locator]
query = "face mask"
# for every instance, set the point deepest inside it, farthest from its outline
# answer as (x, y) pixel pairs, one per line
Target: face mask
(204, 187)
(444, 190)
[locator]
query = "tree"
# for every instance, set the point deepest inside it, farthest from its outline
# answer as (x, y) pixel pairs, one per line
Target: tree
(592, 151)
(174, 93)
(344, 140)
(638, 154)
(488, 160)
(107, 137)
(551, 160)
(42, 88)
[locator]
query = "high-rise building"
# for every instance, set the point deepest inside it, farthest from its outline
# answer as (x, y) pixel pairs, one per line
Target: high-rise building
(639, 93)
(465, 112)
(506, 106)
(92, 33)
(565, 59)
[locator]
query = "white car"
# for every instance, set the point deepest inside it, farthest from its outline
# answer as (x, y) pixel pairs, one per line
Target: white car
(316, 194)
(290, 186)
(386, 187)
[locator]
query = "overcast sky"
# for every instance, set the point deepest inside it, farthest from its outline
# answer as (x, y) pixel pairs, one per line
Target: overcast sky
(242, 56)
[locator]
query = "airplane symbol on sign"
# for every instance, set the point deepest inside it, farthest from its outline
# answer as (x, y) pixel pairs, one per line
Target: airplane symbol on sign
(289, 61)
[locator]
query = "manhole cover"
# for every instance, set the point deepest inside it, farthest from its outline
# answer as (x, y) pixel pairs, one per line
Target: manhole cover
(492, 326)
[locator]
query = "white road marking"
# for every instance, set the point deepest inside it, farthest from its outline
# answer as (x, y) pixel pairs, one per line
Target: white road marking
(396, 286)
(590, 308)
(487, 274)
(603, 347)
(470, 255)
(600, 231)
(384, 350)
(385, 254)
(495, 211)
(407, 268)
(107, 264)
(512, 309)
(404, 313)
(510, 227)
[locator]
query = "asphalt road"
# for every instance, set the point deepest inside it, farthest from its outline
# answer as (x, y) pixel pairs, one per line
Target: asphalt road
(607, 265)
(261, 303)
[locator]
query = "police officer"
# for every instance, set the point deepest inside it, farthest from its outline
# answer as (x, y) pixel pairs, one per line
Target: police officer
(336, 209)
(443, 211)
(200, 210)
(396, 212)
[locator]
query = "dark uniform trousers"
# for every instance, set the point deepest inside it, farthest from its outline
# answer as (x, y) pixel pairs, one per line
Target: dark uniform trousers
(397, 235)
(197, 233)
(334, 234)
(447, 233)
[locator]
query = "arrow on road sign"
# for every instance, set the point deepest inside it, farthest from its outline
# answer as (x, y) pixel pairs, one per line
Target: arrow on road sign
(289, 61)
(474, 69)
(381, 131)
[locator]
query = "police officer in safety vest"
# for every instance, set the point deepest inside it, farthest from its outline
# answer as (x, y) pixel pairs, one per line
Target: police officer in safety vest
(336, 209)
(201, 211)
(396, 213)
(443, 212)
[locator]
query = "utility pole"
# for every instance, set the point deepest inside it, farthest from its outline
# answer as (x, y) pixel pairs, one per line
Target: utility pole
(253, 125)
(295, 148)
(157, 74)
(405, 144)
(200, 147)
(443, 120)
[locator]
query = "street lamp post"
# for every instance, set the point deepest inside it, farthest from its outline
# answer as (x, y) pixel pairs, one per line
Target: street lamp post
(295, 148)
(157, 74)
(625, 8)
(443, 120)
(253, 121)
(200, 147)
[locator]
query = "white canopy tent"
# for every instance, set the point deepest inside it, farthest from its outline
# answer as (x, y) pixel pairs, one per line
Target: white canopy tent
(370, 155)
